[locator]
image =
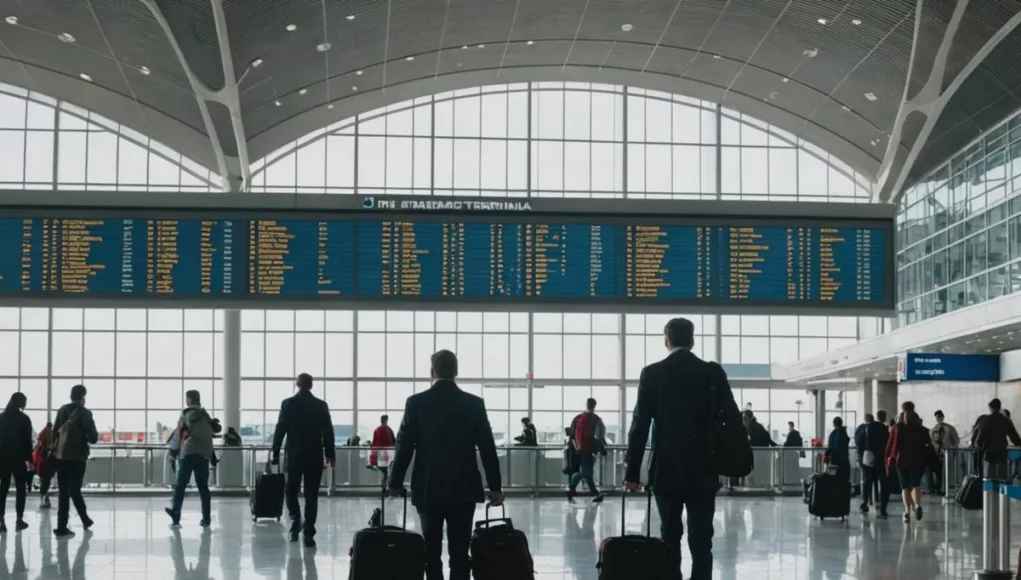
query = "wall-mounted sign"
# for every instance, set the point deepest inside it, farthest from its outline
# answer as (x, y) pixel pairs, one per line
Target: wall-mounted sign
(920, 366)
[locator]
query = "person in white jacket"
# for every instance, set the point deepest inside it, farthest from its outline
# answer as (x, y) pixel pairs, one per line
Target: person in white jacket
(944, 436)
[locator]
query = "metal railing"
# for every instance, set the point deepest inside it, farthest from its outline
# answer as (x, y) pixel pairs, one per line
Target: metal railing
(535, 470)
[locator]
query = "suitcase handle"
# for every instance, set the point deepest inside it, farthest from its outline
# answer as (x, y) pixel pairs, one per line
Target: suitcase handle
(382, 508)
(501, 520)
(648, 513)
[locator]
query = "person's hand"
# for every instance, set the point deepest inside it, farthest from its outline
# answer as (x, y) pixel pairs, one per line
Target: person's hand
(633, 486)
(331, 462)
(496, 498)
(275, 460)
(396, 491)
(28, 465)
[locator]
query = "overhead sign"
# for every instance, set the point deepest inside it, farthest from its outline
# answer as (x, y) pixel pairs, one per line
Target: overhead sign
(445, 205)
(920, 366)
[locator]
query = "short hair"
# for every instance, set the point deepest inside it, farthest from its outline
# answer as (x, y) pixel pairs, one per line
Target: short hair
(907, 406)
(193, 396)
(680, 332)
(790, 423)
(938, 413)
(838, 422)
(78, 392)
(384, 418)
(590, 404)
(881, 415)
(995, 405)
(869, 418)
(444, 364)
(525, 420)
(304, 381)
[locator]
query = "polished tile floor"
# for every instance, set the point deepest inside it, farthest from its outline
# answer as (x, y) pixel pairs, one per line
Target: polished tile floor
(756, 539)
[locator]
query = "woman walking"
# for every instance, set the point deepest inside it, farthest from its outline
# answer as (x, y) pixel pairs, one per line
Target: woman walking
(15, 457)
(43, 461)
(909, 450)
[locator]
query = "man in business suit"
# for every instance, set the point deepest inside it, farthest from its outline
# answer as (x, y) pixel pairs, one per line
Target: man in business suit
(443, 426)
(674, 394)
(305, 420)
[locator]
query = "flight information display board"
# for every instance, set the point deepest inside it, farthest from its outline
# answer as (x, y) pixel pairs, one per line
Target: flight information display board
(510, 260)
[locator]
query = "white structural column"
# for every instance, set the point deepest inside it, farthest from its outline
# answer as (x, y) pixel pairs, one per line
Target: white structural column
(820, 413)
(868, 404)
(886, 398)
(232, 369)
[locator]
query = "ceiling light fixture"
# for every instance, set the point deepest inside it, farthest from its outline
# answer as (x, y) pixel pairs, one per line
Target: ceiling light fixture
(811, 52)
(822, 21)
(355, 88)
(844, 107)
(277, 103)
(144, 70)
(871, 96)
(409, 58)
(465, 47)
(330, 106)
(292, 27)
(350, 16)
(359, 73)
(626, 27)
(530, 42)
(302, 91)
(66, 37)
(12, 20)
(856, 22)
(85, 77)
(716, 56)
(257, 63)
(323, 46)
(785, 79)
(482, 46)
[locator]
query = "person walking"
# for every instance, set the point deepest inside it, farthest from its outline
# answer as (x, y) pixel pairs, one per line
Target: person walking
(870, 440)
(15, 458)
(588, 433)
(305, 422)
(794, 438)
(42, 461)
(944, 438)
(675, 394)
(383, 440)
(528, 437)
(838, 450)
(909, 450)
(195, 429)
(991, 433)
(441, 429)
(74, 430)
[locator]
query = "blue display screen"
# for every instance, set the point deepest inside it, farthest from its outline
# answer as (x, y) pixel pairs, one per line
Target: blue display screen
(527, 260)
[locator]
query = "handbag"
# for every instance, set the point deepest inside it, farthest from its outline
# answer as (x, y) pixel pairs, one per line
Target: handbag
(868, 458)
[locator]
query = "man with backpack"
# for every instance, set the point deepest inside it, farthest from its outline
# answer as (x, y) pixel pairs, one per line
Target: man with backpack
(74, 430)
(195, 430)
(588, 435)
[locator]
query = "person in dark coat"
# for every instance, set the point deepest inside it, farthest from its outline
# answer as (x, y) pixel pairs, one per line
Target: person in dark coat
(794, 438)
(15, 457)
(305, 421)
(909, 450)
(81, 429)
(528, 437)
(441, 429)
(991, 433)
(674, 394)
(758, 436)
(838, 449)
(870, 442)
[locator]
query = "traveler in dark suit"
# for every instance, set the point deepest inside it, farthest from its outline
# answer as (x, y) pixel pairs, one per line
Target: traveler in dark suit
(442, 427)
(305, 420)
(675, 394)
(15, 457)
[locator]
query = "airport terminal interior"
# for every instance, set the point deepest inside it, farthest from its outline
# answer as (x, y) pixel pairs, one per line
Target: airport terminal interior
(219, 195)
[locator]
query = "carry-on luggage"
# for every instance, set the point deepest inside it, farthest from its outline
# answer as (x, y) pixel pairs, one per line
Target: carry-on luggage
(969, 496)
(829, 497)
(631, 557)
(500, 552)
(267, 499)
(388, 552)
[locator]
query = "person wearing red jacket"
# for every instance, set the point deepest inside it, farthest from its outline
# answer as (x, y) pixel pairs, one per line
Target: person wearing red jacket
(909, 450)
(382, 440)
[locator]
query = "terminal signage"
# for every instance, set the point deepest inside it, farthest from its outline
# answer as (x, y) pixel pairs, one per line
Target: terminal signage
(920, 366)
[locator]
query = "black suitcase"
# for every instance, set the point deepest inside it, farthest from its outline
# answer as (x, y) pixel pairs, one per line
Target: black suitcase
(499, 552)
(631, 557)
(969, 496)
(388, 552)
(829, 497)
(267, 499)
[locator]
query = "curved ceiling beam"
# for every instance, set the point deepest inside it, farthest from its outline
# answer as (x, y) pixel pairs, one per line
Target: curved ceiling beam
(931, 101)
(277, 136)
(228, 97)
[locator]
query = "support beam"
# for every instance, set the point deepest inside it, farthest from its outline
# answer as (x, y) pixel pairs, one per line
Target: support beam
(232, 369)
(820, 413)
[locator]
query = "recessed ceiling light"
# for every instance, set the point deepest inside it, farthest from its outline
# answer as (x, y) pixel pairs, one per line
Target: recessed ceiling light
(465, 47)
(530, 42)
(870, 96)
(822, 21)
(292, 27)
(844, 107)
(277, 103)
(355, 88)
(482, 46)
(811, 52)
(12, 20)
(85, 77)
(323, 46)
(144, 70)
(350, 16)
(359, 73)
(626, 27)
(409, 58)
(716, 56)
(773, 95)
(856, 22)
(330, 106)
(66, 37)
(257, 63)
(785, 79)
(302, 91)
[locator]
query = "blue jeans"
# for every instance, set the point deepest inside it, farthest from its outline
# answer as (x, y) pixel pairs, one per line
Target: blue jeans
(586, 471)
(186, 466)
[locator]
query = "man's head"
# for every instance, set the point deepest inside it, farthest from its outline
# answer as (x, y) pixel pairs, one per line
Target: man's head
(939, 416)
(881, 416)
(995, 405)
(679, 333)
(869, 418)
(304, 381)
(838, 422)
(384, 419)
(590, 405)
(525, 421)
(444, 365)
(790, 425)
(907, 407)
(192, 398)
(78, 393)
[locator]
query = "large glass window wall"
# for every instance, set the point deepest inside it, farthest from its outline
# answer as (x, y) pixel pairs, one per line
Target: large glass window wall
(540, 139)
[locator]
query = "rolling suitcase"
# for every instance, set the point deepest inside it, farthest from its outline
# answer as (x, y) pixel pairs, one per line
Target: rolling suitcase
(499, 552)
(829, 497)
(388, 552)
(630, 557)
(969, 496)
(267, 499)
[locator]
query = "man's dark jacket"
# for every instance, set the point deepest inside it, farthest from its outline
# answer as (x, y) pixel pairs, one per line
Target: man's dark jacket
(441, 428)
(794, 439)
(675, 394)
(871, 436)
(82, 418)
(305, 421)
(992, 432)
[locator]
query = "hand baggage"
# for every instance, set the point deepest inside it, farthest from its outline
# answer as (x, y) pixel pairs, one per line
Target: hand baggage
(500, 552)
(388, 552)
(630, 557)
(829, 496)
(267, 499)
(969, 496)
